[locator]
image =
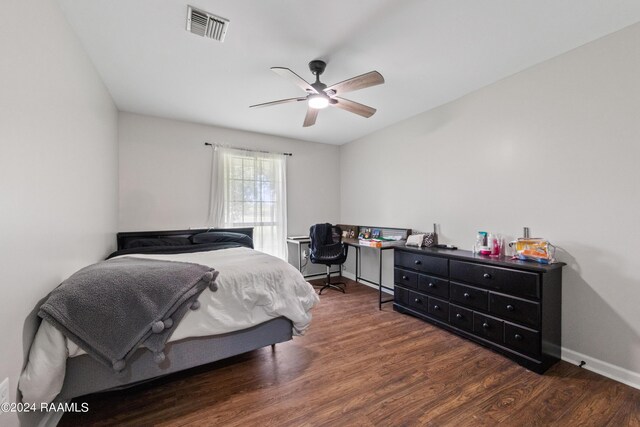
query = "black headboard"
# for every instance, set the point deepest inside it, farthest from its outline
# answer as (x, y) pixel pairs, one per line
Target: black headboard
(126, 236)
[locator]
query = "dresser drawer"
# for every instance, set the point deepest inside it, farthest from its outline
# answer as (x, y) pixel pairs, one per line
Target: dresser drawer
(400, 295)
(488, 327)
(418, 301)
(434, 286)
(405, 278)
(422, 263)
(522, 340)
(461, 317)
(439, 308)
(516, 309)
(469, 296)
(521, 283)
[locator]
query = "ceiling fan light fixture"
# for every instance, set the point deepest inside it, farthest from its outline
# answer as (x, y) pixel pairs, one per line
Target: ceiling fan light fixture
(318, 101)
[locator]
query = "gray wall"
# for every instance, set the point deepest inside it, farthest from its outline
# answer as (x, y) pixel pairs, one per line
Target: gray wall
(58, 167)
(165, 174)
(556, 148)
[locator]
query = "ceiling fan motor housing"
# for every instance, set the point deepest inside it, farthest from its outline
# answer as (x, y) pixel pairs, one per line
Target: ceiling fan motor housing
(317, 67)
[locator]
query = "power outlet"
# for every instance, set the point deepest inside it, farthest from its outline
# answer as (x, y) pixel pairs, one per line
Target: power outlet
(304, 254)
(4, 391)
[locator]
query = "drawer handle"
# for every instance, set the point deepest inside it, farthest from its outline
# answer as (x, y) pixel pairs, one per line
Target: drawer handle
(405, 278)
(486, 276)
(417, 301)
(518, 337)
(417, 262)
(485, 325)
(509, 307)
(431, 285)
(458, 316)
(436, 307)
(466, 295)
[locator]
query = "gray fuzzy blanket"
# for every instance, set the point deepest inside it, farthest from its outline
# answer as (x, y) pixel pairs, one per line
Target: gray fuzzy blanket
(113, 307)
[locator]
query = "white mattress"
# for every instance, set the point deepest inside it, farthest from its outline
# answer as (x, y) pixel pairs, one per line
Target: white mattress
(253, 287)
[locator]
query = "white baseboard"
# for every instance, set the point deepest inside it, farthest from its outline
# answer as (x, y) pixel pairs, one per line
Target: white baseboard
(603, 368)
(349, 275)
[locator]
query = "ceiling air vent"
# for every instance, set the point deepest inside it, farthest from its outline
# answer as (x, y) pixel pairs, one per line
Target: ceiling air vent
(206, 25)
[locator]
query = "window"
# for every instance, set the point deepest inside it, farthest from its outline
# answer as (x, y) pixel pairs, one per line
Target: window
(249, 190)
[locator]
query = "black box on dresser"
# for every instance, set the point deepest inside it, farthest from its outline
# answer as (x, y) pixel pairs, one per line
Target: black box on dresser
(513, 307)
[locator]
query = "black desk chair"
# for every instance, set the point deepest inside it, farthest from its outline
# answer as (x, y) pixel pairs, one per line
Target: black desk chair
(327, 248)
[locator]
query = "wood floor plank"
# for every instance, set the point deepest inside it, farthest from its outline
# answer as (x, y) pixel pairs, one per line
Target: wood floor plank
(598, 406)
(360, 366)
(629, 412)
(555, 395)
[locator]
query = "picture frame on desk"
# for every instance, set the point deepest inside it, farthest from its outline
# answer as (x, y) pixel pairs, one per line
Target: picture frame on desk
(349, 231)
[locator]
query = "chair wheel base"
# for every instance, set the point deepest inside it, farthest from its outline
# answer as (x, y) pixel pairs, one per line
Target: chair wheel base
(334, 285)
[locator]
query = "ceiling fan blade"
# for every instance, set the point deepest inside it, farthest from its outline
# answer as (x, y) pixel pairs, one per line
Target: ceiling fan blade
(281, 101)
(353, 107)
(369, 79)
(310, 118)
(294, 78)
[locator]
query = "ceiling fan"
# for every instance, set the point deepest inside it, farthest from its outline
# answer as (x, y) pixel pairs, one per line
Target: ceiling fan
(320, 96)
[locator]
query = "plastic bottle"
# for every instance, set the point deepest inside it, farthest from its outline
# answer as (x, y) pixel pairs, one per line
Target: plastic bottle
(479, 242)
(496, 246)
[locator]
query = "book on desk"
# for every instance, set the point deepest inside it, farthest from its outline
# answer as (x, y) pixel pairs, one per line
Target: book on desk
(378, 243)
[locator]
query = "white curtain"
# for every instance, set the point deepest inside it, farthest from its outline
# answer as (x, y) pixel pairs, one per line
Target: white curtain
(249, 190)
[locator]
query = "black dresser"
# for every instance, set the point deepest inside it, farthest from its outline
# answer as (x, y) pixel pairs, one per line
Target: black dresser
(510, 306)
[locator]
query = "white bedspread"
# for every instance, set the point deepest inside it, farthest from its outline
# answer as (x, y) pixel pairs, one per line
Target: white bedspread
(253, 287)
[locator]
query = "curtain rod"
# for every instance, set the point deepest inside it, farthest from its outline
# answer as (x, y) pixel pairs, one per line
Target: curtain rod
(245, 149)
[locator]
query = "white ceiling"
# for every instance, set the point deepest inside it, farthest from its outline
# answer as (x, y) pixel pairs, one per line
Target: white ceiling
(429, 51)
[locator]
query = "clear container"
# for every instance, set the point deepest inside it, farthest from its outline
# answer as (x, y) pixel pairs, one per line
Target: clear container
(480, 238)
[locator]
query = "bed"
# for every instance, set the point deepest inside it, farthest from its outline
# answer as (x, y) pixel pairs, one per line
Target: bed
(84, 375)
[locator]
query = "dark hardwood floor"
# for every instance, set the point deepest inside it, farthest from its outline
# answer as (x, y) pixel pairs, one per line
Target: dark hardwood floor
(360, 366)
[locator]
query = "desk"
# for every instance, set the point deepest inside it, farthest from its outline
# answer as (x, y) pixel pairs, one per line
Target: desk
(356, 244)
(299, 243)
